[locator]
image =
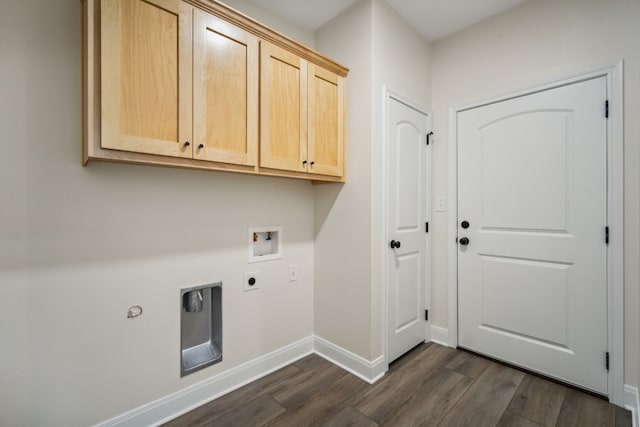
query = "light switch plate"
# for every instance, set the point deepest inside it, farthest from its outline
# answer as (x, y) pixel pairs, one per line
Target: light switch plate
(441, 204)
(293, 273)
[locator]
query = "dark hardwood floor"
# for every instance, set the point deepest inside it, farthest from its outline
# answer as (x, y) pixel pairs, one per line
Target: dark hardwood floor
(430, 386)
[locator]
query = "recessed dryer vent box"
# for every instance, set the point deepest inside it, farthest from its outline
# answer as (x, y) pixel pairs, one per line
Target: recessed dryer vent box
(201, 327)
(265, 243)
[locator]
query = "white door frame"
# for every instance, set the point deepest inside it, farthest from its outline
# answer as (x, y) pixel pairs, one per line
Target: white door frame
(388, 94)
(615, 177)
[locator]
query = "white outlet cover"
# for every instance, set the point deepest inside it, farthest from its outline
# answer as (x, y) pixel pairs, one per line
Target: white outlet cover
(245, 280)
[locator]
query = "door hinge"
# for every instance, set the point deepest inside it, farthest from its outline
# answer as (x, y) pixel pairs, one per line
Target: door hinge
(606, 109)
(606, 235)
(426, 318)
(606, 360)
(426, 227)
(428, 137)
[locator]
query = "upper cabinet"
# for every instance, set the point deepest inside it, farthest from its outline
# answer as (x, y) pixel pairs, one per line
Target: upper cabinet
(326, 125)
(195, 84)
(283, 109)
(225, 95)
(302, 111)
(146, 76)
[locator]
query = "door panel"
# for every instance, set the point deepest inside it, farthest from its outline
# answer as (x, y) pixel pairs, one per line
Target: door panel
(409, 183)
(526, 198)
(527, 285)
(146, 76)
(225, 92)
(532, 184)
(407, 296)
(326, 122)
(283, 109)
(407, 213)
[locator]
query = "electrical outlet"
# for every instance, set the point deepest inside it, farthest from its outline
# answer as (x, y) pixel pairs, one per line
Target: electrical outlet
(293, 273)
(251, 281)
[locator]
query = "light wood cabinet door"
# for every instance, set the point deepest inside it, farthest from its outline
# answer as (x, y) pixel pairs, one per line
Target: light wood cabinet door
(225, 94)
(146, 76)
(326, 122)
(283, 109)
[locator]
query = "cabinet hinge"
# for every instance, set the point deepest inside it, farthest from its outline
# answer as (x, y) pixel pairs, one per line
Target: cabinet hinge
(606, 109)
(426, 227)
(426, 318)
(606, 360)
(429, 137)
(606, 235)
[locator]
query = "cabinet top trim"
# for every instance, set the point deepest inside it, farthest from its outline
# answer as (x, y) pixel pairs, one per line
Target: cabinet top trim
(266, 33)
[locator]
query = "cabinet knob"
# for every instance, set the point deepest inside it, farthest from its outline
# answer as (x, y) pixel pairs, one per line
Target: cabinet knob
(200, 147)
(187, 143)
(304, 163)
(312, 163)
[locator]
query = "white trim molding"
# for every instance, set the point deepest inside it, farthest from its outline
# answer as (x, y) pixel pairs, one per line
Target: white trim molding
(189, 398)
(615, 209)
(631, 402)
(369, 371)
(171, 406)
(440, 335)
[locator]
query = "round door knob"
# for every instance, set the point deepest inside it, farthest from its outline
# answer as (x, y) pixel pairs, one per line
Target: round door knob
(464, 224)
(464, 241)
(394, 244)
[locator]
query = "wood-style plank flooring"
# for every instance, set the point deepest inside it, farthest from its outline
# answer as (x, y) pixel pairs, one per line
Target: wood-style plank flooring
(430, 386)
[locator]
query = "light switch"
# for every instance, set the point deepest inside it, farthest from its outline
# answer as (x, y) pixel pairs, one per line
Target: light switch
(293, 273)
(441, 204)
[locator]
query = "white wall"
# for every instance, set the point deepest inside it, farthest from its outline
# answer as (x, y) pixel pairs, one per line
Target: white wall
(401, 61)
(14, 298)
(380, 49)
(276, 22)
(535, 42)
(342, 293)
(81, 245)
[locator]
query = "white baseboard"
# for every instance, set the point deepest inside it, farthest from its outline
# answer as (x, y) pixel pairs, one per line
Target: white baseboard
(631, 403)
(173, 405)
(440, 335)
(189, 398)
(369, 371)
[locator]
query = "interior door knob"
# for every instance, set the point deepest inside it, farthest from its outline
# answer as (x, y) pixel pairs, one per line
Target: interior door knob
(394, 244)
(464, 224)
(464, 241)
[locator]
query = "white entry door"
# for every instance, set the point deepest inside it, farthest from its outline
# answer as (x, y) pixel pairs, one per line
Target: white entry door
(532, 212)
(407, 216)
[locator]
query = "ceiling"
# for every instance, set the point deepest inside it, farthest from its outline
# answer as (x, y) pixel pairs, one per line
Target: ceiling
(434, 19)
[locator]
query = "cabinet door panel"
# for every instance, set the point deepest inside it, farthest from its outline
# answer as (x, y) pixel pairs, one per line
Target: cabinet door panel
(225, 92)
(283, 109)
(326, 122)
(146, 76)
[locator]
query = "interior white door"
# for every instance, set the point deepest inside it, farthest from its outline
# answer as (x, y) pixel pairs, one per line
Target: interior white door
(407, 216)
(532, 284)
